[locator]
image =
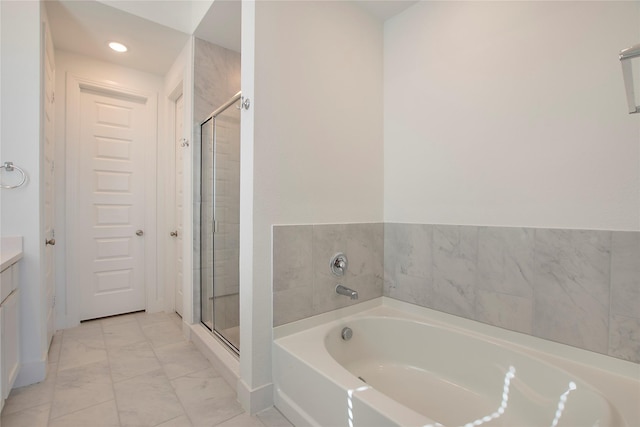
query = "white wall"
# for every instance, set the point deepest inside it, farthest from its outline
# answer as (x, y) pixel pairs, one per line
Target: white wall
(89, 68)
(317, 140)
(22, 214)
(511, 113)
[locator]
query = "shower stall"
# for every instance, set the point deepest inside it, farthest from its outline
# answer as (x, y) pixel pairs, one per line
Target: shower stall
(220, 222)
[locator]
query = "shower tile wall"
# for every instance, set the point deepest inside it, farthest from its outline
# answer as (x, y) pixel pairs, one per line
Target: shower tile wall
(226, 244)
(303, 284)
(576, 287)
(216, 77)
(216, 80)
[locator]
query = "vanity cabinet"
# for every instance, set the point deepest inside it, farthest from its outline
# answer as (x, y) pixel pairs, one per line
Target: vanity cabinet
(9, 330)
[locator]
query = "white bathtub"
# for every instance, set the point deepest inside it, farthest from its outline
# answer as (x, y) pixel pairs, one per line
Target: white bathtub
(411, 366)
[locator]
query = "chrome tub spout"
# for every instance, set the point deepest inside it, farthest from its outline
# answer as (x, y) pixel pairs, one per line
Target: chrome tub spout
(343, 290)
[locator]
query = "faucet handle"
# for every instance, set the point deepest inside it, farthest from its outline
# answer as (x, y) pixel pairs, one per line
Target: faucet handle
(339, 264)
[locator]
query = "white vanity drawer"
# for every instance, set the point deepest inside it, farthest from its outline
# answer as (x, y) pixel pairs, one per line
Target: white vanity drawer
(8, 281)
(10, 342)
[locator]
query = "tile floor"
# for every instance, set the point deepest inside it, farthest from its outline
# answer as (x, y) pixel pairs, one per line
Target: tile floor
(132, 370)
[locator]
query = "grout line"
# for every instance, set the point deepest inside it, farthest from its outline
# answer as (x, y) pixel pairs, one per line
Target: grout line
(113, 383)
(80, 410)
(55, 379)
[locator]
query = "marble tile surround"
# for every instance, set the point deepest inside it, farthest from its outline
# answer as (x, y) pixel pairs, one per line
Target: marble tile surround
(577, 287)
(303, 284)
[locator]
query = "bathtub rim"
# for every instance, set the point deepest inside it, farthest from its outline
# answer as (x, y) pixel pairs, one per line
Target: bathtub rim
(539, 347)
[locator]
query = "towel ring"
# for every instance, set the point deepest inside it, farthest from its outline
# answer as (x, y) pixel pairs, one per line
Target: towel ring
(10, 167)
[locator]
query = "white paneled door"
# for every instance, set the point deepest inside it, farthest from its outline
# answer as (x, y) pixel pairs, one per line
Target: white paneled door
(179, 126)
(111, 209)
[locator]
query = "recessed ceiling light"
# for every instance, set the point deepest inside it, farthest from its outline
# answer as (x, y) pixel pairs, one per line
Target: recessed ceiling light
(118, 47)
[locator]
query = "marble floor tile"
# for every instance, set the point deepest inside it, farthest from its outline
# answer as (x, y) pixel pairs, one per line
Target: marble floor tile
(242, 420)
(36, 416)
(31, 396)
(207, 398)
(273, 418)
(105, 377)
(181, 359)
(181, 421)
(101, 415)
(122, 334)
(132, 360)
(82, 347)
(81, 388)
(148, 319)
(163, 333)
(201, 385)
(211, 412)
(147, 400)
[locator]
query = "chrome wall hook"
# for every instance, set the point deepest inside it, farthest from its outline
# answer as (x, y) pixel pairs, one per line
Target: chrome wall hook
(245, 103)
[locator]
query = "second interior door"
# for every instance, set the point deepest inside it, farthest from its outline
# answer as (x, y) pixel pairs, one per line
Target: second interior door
(110, 204)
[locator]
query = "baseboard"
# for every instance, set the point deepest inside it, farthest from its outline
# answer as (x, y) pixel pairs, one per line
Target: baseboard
(291, 411)
(257, 399)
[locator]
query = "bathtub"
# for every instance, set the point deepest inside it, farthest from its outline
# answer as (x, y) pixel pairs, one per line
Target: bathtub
(410, 366)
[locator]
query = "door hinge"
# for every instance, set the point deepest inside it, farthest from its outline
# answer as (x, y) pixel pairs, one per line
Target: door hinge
(53, 97)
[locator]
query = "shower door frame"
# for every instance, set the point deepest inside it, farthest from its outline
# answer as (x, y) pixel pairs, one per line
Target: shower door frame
(212, 117)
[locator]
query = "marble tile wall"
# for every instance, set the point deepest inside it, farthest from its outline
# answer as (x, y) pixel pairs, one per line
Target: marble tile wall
(216, 77)
(576, 287)
(303, 284)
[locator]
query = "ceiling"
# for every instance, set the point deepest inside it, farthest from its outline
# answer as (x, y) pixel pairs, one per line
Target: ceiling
(385, 9)
(156, 30)
(85, 27)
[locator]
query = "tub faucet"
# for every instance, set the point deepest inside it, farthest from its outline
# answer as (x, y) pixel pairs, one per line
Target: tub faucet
(343, 290)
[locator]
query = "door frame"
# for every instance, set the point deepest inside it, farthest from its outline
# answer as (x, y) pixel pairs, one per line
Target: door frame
(170, 203)
(75, 85)
(48, 57)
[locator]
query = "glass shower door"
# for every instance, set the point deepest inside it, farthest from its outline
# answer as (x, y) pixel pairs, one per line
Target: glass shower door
(220, 224)
(206, 223)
